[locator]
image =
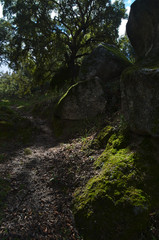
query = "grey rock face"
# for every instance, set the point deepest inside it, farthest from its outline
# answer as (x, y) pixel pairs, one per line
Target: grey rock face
(99, 89)
(83, 100)
(105, 62)
(143, 28)
(140, 100)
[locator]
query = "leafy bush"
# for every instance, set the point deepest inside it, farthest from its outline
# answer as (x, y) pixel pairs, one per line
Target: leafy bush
(15, 84)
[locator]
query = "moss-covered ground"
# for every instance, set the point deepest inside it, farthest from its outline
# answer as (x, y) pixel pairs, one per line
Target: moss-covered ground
(117, 203)
(102, 137)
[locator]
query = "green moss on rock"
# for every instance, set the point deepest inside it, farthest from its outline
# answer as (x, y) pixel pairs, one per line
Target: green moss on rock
(102, 137)
(151, 64)
(59, 105)
(129, 71)
(116, 52)
(116, 203)
(115, 142)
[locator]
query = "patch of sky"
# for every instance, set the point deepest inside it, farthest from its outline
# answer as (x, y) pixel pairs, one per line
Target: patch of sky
(122, 28)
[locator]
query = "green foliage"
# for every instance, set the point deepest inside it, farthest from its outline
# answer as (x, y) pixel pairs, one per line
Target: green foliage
(117, 52)
(77, 26)
(15, 84)
(126, 48)
(83, 24)
(41, 105)
(5, 29)
(62, 77)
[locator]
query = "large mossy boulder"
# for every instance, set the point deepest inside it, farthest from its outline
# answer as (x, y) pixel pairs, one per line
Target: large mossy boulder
(105, 62)
(116, 204)
(83, 100)
(140, 99)
(142, 28)
(98, 90)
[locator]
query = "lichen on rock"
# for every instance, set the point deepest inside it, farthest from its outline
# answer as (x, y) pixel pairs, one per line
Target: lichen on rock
(140, 99)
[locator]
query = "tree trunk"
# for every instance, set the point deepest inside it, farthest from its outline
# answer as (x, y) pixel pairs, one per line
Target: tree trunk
(72, 67)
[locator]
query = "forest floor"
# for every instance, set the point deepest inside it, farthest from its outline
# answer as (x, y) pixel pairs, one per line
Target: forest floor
(42, 178)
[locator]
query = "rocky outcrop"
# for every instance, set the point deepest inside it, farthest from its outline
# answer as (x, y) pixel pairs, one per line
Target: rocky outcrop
(140, 83)
(140, 100)
(99, 88)
(83, 100)
(143, 28)
(105, 62)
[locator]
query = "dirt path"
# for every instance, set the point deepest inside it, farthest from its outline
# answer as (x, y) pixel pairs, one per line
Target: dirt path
(43, 179)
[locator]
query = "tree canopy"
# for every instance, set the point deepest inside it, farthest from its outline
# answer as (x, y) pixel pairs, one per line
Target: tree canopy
(57, 33)
(4, 38)
(127, 48)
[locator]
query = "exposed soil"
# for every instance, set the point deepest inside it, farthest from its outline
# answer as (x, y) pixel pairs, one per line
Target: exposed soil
(43, 178)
